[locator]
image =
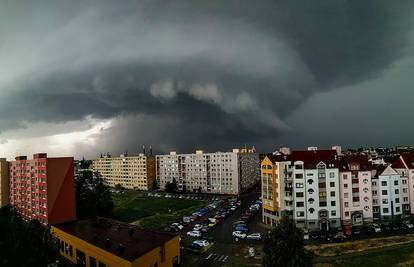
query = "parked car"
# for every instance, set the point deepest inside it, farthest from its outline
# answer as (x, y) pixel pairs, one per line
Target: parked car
(356, 230)
(314, 235)
(336, 237)
(195, 247)
(408, 225)
(186, 219)
(203, 243)
(254, 236)
(239, 222)
(239, 234)
(197, 227)
(179, 226)
(241, 229)
(305, 235)
(377, 228)
(194, 233)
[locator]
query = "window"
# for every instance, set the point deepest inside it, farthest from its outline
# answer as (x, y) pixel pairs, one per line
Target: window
(365, 181)
(299, 176)
(346, 195)
(310, 181)
(332, 184)
(374, 192)
(404, 181)
(385, 210)
(374, 183)
(300, 213)
(346, 204)
(311, 210)
(310, 191)
(322, 204)
(384, 183)
(331, 175)
(333, 203)
(299, 194)
(345, 185)
(92, 262)
(299, 185)
(397, 200)
(269, 167)
(376, 209)
(397, 209)
(396, 182)
(346, 213)
(101, 264)
(405, 199)
(322, 185)
(299, 204)
(264, 167)
(322, 194)
(384, 192)
(333, 212)
(297, 166)
(365, 190)
(345, 176)
(385, 201)
(332, 193)
(366, 208)
(311, 200)
(396, 191)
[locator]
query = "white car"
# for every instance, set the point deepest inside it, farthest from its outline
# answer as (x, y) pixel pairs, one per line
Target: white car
(254, 236)
(239, 234)
(201, 243)
(179, 226)
(194, 233)
(197, 227)
(376, 227)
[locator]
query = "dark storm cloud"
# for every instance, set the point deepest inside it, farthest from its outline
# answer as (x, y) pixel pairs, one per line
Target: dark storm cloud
(219, 72)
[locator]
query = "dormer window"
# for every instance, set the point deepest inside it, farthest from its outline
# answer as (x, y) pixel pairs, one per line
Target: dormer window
(321, 165)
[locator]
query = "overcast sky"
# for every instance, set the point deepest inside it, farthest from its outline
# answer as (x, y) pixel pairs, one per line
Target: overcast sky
(86, 77)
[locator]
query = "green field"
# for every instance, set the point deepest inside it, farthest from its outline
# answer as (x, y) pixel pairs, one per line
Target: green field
(401, 255)
(151, 212)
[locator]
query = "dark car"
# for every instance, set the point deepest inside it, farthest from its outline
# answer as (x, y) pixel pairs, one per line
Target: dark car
(314, 235)
(356, 230)
(367, 230)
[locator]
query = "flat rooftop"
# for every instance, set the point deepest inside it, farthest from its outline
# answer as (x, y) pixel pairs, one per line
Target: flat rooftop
(124, 240)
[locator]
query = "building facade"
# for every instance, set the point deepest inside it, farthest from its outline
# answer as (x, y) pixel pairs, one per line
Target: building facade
(43, 188)
(356, 189)
(4, 183)
(131, 172)
(104, 242)
(276, 188)
(215, 173)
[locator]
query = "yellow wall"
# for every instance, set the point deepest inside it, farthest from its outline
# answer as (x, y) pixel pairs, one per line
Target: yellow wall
(274, 172)
(150, 172)
(172, 249)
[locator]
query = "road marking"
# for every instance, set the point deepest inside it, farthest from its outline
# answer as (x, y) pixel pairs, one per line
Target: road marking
(221, 258)
(209, 256)
(225, 258)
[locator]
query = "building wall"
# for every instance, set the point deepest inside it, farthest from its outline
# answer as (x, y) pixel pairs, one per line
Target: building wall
(72, 243)
(135, 172)
(4, 183)
(316, 197)
(353, 203)
(43, 188)
(270, 191)
(217, 173)
(411, 189)
(388, 202)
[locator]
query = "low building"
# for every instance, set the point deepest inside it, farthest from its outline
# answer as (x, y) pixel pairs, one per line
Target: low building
(355, 189)
(104, 242)
(131, 172)
(215, 173)
(4, 183)
(43, 188)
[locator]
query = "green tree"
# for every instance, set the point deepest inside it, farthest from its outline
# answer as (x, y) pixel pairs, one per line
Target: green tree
(171, 187)
(93, 196)
(285, 246)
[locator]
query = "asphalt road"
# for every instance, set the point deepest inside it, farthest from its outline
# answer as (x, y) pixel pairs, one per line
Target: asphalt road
(225, 245)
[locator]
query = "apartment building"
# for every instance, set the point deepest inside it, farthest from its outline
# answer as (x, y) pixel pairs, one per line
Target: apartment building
(387, 193)
(276, 188)
(4, 182)
(215, 173)
(356, 189)
(132, 172)
(404, 165)
(316, 189)
(43, 188)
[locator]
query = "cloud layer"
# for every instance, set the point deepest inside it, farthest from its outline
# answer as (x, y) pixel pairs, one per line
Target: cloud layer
(191, 73)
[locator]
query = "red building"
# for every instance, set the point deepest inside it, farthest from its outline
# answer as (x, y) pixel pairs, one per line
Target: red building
(43, 188)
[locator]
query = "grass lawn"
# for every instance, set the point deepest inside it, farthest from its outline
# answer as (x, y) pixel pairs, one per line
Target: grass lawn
(151, 212)
(397, 255)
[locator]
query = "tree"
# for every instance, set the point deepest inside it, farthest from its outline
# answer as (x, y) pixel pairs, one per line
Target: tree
(154, 184)
(93, 196)
(285, 246)
(171, 187)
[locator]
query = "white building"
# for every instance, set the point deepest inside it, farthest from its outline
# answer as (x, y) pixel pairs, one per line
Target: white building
(387, 184)
(316, 189)
(216, 173)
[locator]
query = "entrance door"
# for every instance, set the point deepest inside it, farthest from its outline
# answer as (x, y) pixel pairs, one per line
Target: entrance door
(324, 225)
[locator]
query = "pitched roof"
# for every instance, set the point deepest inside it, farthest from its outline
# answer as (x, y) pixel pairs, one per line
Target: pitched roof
(314, 157)
(388, 171)
(408, 159)
(347, 160)
(398, 164)
(108, 234)
(278, 158)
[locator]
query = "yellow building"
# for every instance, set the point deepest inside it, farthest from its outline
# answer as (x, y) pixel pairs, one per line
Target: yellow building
(103, 242)
(134, 172)
(4, 183)
(276, 188)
